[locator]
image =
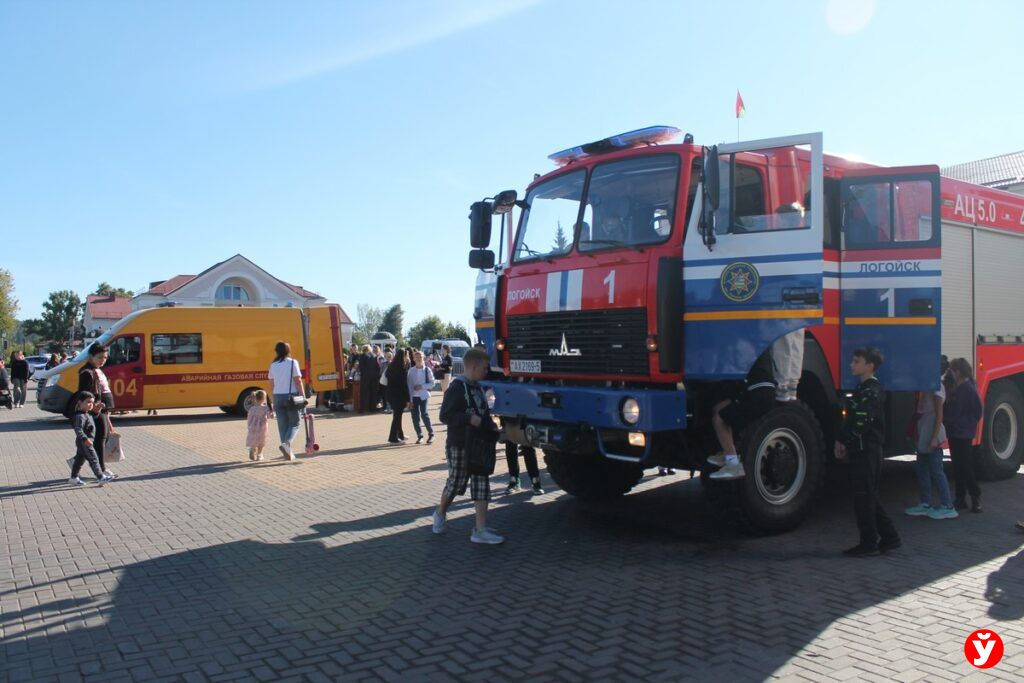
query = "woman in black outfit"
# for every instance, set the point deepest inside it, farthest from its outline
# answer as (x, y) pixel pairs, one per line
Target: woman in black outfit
(397, 393)
(92, 379)
(961, 415)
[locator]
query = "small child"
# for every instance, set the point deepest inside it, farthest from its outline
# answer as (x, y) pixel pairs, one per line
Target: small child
(860, 440)
(85, 432)
(259, 419)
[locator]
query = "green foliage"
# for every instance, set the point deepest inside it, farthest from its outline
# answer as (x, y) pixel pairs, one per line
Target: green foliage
(8, 304)
(359, 339)
(368, 320)
(60, 315)
(457, 331)
(392, 322)
(561, 240)
(430, 327)
(104, 289)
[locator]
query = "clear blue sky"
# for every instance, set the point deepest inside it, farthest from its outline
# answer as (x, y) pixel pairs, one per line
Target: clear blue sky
(339, 144)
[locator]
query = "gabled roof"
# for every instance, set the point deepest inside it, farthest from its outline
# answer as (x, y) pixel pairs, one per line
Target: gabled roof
(177, 282)
(108, 306)
(1000, 171)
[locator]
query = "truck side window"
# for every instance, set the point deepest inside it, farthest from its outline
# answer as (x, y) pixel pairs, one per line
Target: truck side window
(177, 349)
(124, 350)
(746, 205)
(879, 214)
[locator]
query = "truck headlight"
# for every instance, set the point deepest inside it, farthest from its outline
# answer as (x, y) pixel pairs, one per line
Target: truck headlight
(630, 411)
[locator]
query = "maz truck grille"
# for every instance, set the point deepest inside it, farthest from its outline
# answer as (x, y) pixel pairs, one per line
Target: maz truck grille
(610, 343)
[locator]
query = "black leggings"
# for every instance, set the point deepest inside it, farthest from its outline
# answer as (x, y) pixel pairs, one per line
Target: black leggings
(961, 452)
(396, 421)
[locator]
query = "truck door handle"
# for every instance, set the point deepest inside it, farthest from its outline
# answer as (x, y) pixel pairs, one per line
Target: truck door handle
(801, 295)
(921, 307)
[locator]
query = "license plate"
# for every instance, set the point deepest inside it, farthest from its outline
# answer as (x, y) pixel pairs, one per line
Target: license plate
(525, 366)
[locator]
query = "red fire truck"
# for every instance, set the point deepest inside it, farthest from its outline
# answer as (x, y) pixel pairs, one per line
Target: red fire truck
(645, 275)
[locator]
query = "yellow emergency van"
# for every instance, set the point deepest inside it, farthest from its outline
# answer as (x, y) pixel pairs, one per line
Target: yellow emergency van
(189, 357)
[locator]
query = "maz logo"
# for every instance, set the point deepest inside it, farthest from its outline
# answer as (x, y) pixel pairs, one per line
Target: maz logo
(564, 350)
(983, 649)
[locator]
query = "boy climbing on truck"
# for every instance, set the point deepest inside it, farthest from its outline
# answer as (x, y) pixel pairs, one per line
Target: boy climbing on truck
(860, 441)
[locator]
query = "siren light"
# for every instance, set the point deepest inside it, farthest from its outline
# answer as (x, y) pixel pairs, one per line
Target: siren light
(652, 135)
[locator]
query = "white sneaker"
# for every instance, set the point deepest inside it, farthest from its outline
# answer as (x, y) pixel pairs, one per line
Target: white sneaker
(486, 536)
(727, 472)
(440, 525)
(109, 476)
(75, 481)
(286, 451)
(717, 460)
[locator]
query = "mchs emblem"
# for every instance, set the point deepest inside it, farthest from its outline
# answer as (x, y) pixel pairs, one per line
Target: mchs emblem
(740, 281)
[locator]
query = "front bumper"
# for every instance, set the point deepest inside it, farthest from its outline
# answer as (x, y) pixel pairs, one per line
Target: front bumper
(566, 417)
(53, 398)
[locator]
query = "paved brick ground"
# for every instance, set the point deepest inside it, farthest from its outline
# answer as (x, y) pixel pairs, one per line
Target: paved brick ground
(199, 566)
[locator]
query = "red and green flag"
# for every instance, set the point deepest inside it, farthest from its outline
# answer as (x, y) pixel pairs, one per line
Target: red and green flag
(740, 109)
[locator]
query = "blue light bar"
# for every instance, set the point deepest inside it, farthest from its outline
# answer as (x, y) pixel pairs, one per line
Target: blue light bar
(651, 135)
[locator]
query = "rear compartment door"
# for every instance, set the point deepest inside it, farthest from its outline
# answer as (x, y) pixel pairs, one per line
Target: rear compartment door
(324, 357)
(759, 276)
(890, 278)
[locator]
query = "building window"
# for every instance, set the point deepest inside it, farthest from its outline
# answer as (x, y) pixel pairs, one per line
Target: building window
(233, 293)
(177, 349)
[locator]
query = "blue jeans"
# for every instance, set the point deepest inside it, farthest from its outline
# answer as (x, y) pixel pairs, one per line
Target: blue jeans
(929, 472)
(287, 418)
(419, 410)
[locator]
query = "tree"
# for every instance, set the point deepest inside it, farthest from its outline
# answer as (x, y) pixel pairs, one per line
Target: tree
(392, 322)
(104, 289)
(8, 305)
(60, 316)
(561, 240)
(369, 320)
(457, 331)
(430, 327)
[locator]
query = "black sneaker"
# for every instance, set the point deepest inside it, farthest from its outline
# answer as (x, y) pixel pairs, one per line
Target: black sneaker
(860, 550)
(419, 439)
(886, 546)
(430, 439)
(976, 504)
(537, 490)
(513, 485)
(959, 504)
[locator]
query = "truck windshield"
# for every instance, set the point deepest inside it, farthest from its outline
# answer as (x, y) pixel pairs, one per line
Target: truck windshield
(547, 226)
(630, 203)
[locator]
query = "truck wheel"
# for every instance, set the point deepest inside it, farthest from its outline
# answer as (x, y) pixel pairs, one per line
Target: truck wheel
(245, 401)
(783, 453)
(589, 476)
(1002, 443)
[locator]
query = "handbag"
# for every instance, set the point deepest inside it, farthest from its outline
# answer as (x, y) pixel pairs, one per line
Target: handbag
(481, 444)
(298, 400)
(112, 451)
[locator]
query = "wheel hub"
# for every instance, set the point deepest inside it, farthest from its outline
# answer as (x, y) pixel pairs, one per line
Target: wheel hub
(780, 466)
(1004, 431)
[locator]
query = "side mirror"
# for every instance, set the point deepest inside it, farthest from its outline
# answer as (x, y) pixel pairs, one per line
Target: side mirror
(481, 259)
(480, 224)
(504, 202)
(711, 177)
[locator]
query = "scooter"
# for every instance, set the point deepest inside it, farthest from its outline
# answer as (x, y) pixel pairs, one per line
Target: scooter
(311, 444)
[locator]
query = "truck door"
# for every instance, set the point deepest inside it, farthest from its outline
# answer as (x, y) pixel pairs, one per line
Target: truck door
(890, 273)
(758, 274)
(126, 371)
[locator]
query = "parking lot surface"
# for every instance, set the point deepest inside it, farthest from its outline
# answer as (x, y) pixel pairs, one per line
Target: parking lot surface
(197, 565)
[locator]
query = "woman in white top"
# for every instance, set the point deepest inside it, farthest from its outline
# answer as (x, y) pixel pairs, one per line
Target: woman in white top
(285, 382)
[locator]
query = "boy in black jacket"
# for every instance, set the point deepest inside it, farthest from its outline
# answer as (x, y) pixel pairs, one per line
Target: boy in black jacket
(464, 405)
(860, 439)
(85, 433)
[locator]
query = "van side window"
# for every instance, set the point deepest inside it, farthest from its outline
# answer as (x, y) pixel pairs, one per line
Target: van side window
(177, 349)
(124, 350)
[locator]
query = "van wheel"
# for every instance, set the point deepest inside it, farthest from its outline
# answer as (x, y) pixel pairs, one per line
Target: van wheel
(1002, 443)
(589, 476)
(246, 400)
(783, 454)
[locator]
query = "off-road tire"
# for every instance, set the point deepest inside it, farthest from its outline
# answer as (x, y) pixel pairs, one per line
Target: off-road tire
(591, 476)
(1002, 441)
(785, 495)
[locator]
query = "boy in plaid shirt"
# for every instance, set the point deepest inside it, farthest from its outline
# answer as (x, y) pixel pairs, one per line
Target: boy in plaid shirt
(458, 413)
